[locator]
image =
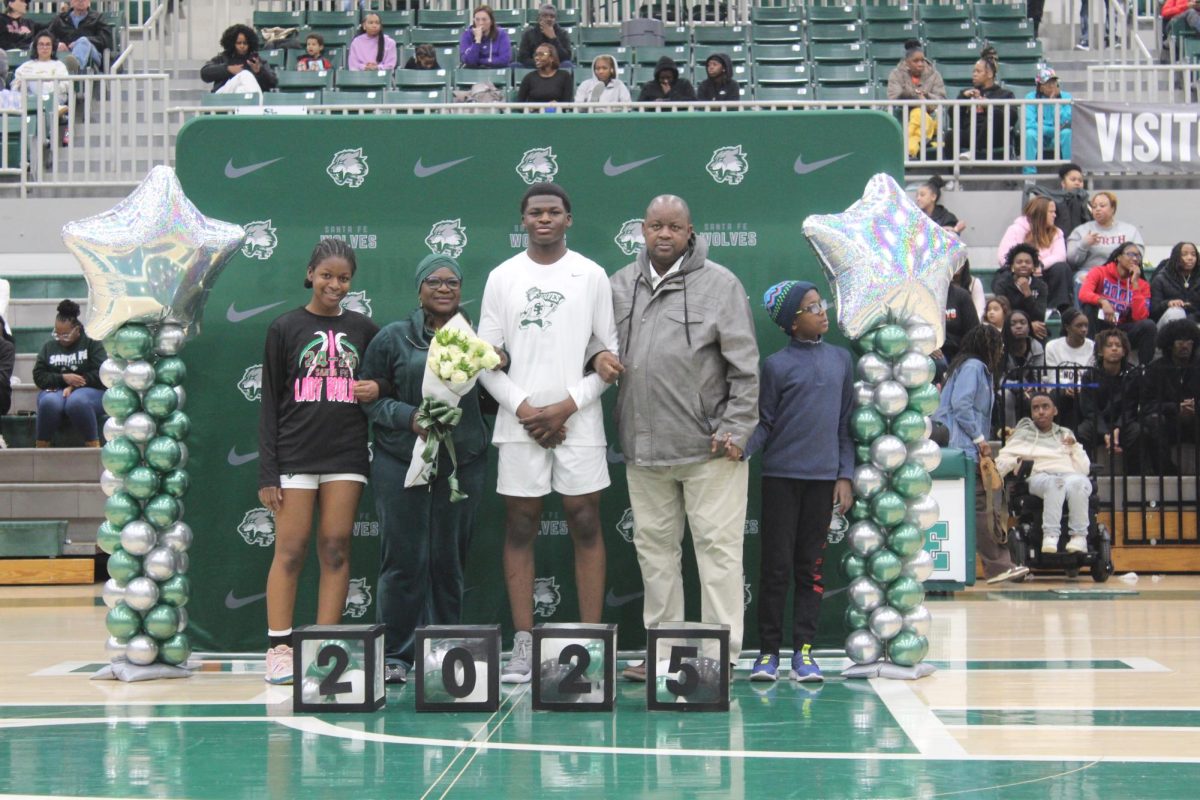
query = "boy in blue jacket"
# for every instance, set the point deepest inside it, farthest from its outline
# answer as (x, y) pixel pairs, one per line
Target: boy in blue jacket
(805, 400)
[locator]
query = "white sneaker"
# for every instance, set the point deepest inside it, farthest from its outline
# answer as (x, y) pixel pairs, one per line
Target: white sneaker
(1077, 543)
(519, 668)
(1050, 542)
(279, 665)
(1009, 575)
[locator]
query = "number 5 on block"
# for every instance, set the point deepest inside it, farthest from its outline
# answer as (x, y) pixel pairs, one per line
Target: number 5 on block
(687, 667)
(574, 667)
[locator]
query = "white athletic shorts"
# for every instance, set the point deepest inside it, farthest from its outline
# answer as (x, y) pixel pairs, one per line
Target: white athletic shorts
(526, 469)
(312, 481)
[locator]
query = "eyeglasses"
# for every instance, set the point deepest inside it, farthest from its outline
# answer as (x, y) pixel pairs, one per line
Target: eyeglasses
(437, 283)
(1135, 255)
(815, 308)
(65, 337)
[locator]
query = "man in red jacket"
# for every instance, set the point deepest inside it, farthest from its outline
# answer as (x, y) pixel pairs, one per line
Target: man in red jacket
(1115, 295)
(1189, 9)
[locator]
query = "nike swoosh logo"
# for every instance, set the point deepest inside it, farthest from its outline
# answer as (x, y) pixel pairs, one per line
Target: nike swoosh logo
(613, 600)
(805, 169)
(237, 172)
(612, 170)
(236, 461)
(233, 315)
(422, 171)
(238, 602)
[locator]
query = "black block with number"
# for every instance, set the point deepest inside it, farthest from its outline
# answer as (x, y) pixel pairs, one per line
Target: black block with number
(457, 667)
(687, 667)
(574, 667)
(338, 668)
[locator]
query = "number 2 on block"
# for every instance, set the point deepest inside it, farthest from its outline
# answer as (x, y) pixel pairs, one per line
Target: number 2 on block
(341, 660)
(574, 682)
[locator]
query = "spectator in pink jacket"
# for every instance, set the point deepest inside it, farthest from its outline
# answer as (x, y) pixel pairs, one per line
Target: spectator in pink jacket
(1036, 227)
(372, 49)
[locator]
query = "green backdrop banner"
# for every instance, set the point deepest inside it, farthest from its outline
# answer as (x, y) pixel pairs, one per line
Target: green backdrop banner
(398, 188)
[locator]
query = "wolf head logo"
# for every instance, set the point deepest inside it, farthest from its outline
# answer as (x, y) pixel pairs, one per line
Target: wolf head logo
(447, 237)
(630, 238)
(358, 598)
(260, 240)
(728, 165)
(546, 596)
(538, 165)
(348, 168)
(258, 527)
(357, 301)
(251, 383)
(625, 526)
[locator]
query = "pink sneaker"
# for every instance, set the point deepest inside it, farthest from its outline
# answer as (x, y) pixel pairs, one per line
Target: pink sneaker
(279, 665)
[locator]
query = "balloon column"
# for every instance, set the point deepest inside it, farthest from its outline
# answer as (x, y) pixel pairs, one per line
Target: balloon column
(890, 266)
(149, 263)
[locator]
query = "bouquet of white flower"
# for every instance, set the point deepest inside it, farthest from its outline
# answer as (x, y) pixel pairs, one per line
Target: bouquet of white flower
(456, 357)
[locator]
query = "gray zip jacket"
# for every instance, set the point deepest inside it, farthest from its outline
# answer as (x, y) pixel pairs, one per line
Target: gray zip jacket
(690, 358)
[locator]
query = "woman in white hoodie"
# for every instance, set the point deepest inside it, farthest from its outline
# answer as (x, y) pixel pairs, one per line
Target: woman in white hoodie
(604, 86)
(36, 74)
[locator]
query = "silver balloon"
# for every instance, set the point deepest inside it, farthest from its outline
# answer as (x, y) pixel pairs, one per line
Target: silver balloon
(141, 594)
(886, 622)
(919, 566)
(138, 537)
(113, 592)
(888, 452)
(873, 369)
(168, 341)
(914, 369)
(182, 395)
(114, 648)
(139, 375)
(926, 453)
(863, 648)
(919, 620)
(183, 620)
(112, 372)
(110, 483)
(865, 594)
(159, 563)
(113, 429)
(923, 512)
(868, 481)
(864, 538)
(890, 398)
(183, 456)
(864, 393)
(182, 562)
(141, 650)
(140, 427)
(922, 338)
(177, 536)
(151, 257)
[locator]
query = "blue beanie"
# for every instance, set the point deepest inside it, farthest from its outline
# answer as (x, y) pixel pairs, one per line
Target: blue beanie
(782, 301)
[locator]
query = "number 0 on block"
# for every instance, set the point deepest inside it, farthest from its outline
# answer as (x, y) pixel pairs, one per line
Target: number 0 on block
(458, 668)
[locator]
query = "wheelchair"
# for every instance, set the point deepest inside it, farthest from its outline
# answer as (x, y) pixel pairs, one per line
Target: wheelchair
(1025, 537)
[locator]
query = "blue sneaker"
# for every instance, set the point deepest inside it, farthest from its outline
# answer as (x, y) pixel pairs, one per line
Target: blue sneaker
(766, 668)
(803, 666)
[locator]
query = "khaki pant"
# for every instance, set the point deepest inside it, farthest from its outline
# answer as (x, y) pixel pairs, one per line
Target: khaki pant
(712, 497)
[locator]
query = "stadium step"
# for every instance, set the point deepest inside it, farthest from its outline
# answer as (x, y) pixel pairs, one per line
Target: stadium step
(32, 538)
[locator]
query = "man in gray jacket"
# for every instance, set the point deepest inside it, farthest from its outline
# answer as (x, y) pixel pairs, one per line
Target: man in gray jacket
(687, 406)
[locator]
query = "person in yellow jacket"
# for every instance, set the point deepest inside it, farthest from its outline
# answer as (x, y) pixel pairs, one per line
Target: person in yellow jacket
(914, 78)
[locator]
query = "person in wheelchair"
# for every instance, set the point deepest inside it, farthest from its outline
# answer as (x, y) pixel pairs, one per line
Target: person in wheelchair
(1059, 473)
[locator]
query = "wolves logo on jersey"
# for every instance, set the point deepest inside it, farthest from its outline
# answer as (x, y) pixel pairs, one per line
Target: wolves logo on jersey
(260, 240)
(630, 238)
(447, 238)
(348, 168)
(728, 165)
(546, 597)
(258, 527)
(538, 165)
(251, 383)
(540, 306)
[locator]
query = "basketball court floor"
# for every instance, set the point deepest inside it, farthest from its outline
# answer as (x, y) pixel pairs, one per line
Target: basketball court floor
(1050, 689)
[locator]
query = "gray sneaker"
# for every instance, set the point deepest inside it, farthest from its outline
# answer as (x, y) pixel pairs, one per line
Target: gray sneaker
(519, 668)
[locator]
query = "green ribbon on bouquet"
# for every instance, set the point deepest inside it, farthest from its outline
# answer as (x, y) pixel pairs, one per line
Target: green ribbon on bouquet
(439, 419)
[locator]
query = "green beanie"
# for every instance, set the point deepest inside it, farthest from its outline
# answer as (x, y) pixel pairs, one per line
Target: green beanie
(432, 263)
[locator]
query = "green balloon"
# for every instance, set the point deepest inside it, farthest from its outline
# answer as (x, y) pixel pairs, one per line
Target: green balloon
(162, 621)
(315, 670)
(122, 621)
(862, 454)
(171, 371)
(923, 399)
(142, 482)
(176, 649)
(108, 538)
(175, 591)
(908, 426)
(905, 540)
(133, 342)
(884, 566)
(866, 424)
(887, 508)
(853, 566)
(121, 509)
(120, 455)
(891, 341)
(162, 510)
(120, 401)
(907, 649)
(864, 344)
(855, 619)
(160, 401)
(859, 511)
(177, 425)
(905, 594)
(176, 483)
(122, 566)
(163, 453)
(911, 481)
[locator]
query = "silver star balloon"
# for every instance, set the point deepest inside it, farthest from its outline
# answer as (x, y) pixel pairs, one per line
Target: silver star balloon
(151, 258)
(887, 260)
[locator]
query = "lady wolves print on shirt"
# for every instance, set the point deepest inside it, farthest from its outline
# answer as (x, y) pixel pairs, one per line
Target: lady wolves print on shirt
(327, 367)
